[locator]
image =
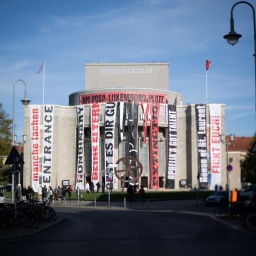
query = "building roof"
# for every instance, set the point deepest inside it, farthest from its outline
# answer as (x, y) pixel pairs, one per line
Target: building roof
(242, 144)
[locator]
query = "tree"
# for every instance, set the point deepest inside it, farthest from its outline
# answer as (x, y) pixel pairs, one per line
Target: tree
(248, 165)
(5, 142)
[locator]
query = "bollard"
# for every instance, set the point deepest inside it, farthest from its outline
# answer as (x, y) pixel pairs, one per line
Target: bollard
(94, 202)
(124, 202)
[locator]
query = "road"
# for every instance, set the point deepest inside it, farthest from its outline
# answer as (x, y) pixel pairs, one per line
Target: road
(98, 231)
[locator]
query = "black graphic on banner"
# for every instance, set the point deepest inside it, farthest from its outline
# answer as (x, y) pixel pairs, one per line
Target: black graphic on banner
(201, 144)
(121, 122)
(172, 146)
(132, 115)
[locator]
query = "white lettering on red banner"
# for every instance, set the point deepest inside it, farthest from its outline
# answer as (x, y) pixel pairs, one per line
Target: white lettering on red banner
(215, 120)
(154, 150)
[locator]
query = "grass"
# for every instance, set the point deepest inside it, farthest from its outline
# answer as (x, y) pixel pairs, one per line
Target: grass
(150, 195)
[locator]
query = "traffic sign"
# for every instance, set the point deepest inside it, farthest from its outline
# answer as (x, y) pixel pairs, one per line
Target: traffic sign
(14, 157)
(229, 168)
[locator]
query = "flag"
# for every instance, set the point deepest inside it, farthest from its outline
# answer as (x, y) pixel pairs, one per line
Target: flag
(41, 68)
(208, 62)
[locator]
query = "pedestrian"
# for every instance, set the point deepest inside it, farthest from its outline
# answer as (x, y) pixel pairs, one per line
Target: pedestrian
(142, 193)
(92, 187)
(98, 186)
(24, 193)
(59, 195)
(103, 187)
(78, 192)
(63, 192)
(44, 192)
(55, 194)
(130, 192)
(39, 193)
(50, 194)
(87, 187)
(69, 192)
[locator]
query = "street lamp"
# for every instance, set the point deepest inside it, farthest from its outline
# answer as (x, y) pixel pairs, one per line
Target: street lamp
(228, 140)
(232, 38)
(25, 102)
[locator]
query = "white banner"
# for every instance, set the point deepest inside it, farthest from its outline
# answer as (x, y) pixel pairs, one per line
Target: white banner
(35, 145)
(48, 124)
(109, 146)
(95, 137)
(215, 121)
(80, 147)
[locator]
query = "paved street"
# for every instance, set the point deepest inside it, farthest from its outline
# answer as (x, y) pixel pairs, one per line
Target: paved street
(95, 228)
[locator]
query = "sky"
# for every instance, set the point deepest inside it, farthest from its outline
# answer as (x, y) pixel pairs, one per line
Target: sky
(184, 33)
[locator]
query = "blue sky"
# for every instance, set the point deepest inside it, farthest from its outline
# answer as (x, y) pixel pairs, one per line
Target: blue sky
(67, 34)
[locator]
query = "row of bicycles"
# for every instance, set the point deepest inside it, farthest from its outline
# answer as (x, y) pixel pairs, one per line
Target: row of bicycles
(26, 214)
(246, 212)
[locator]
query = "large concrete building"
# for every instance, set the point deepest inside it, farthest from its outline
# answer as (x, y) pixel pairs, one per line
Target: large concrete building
(125, 127)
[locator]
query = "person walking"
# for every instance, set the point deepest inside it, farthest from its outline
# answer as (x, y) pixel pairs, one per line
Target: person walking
(39, 193)
(142, 194)
(69, 192)
(50, 194)
(98, 186)
(87, 187)
(92, 187)
(78, 193)
(130, 192)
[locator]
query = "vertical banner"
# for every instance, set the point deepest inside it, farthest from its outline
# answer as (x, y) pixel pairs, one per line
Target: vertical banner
(48, 124)
(172, 146)
(95, 142)
(109, 146)
(201, 144)
(215, 145)
(154, 151)
(80, 163)
(132, 114)
(35, 145)
(121, 122)
(144, 107)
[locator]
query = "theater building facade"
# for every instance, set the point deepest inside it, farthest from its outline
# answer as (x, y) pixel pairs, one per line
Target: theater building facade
(125, 127)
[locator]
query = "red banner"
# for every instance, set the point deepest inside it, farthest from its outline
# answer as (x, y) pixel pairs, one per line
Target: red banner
(154, 152)
(95, 113)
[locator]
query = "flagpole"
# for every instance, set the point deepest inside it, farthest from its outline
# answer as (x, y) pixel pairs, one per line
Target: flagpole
(207, 125)
(43, 81)
(206, 89)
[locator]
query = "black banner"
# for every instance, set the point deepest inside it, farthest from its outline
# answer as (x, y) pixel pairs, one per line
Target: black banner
(172, 146)
(201, 144)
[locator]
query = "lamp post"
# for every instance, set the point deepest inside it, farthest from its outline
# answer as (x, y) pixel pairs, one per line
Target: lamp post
(228, 140)
(25, 102)
(232, 38)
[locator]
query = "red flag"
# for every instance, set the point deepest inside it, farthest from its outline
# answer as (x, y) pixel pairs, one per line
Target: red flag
(41, 68)
(208, 62)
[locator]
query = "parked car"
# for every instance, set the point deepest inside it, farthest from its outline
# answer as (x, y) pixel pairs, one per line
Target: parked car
(217, 198)
(2, 198)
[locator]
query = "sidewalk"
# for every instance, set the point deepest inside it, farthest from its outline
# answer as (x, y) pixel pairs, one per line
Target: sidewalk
(193, 207)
